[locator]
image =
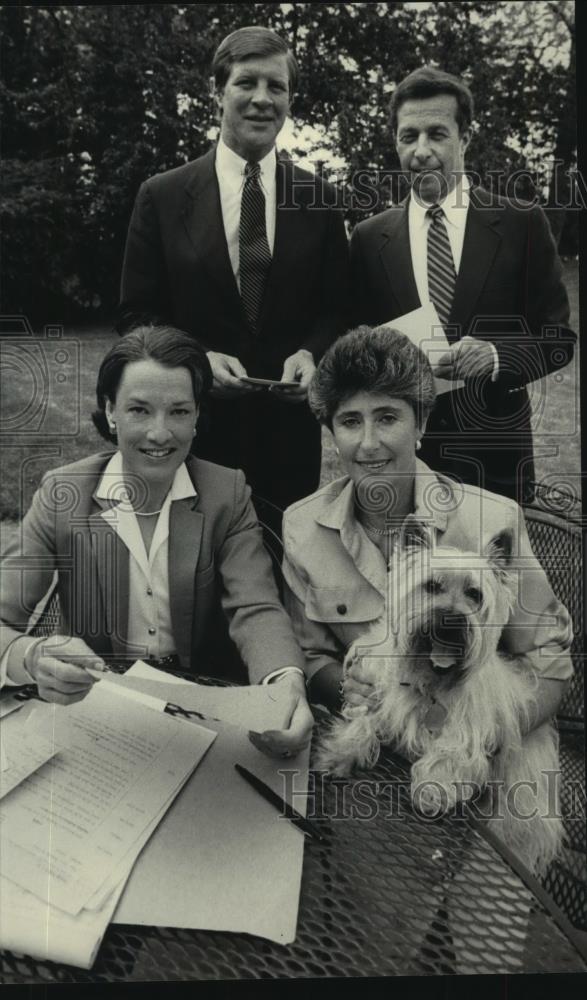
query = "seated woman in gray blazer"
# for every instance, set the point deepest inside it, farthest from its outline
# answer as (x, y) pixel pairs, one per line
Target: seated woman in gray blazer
(146, 539)
(374, 390)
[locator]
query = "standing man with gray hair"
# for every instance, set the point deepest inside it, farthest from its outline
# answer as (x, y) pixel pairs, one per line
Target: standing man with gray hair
(247, 252)
(490, 267)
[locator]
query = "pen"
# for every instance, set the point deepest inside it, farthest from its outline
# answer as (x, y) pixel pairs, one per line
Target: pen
(97, 672)
(95, 667)
(295, 817)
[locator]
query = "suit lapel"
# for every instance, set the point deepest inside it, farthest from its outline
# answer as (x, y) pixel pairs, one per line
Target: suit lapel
(202, 218)
(185, 538)
(396, 258)
(482, 239)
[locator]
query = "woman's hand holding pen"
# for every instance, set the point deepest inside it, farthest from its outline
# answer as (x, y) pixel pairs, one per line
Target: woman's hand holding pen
(63, 668)
(292, 740)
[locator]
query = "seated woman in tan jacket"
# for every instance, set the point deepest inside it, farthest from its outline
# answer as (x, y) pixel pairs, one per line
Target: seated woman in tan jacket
(374, 390)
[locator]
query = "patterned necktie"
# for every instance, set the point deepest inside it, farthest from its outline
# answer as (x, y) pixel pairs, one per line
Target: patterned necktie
(255, 255)
(441, 269)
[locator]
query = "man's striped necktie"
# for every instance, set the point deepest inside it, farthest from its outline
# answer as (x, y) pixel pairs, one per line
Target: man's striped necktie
(441, 269)
(255, 255)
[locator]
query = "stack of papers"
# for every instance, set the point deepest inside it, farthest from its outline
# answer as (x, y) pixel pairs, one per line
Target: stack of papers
(72, 830)
(8, 704)
(98, 832)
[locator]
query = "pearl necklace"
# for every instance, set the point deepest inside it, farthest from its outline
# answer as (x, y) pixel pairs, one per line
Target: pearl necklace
(149, 513)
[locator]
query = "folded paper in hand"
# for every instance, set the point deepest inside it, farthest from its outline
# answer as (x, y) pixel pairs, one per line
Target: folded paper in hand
(424, 329)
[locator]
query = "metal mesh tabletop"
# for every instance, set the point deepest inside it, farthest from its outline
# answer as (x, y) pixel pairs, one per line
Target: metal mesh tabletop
(387, 893)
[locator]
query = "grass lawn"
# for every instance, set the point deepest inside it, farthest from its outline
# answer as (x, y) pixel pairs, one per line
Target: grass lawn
(48, 394)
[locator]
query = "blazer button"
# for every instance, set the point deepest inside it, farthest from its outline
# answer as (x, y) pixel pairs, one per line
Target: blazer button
(152, 630)
(341, 608)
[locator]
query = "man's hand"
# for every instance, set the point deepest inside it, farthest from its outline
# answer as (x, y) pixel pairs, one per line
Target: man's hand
(299, 367)
(470, 358)
(59, 666)
(227, 373)
(297, 735)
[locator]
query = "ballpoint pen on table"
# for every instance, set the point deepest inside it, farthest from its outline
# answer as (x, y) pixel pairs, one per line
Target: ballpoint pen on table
(276, 800)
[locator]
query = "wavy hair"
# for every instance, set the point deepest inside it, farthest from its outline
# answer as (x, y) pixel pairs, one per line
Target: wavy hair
(376, 360)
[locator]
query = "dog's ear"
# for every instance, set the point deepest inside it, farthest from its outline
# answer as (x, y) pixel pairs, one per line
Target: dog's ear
(499, 550)
(415, 535)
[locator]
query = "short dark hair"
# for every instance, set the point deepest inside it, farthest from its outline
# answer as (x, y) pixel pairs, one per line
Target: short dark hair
(428, 82)
(251, 43)
(371, 359)
(164, 344)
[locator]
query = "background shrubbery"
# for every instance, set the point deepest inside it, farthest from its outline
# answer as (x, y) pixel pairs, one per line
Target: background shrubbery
(96, 98)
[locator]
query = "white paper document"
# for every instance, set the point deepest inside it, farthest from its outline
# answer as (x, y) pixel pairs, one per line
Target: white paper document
(69, 826)
(263, 703)
(223, 858)
(9, 704)
(24, 752)
(424, 329)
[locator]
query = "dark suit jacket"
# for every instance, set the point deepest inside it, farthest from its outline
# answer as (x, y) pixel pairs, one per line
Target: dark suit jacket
(177, 269)
(216, 554)
(510, 291)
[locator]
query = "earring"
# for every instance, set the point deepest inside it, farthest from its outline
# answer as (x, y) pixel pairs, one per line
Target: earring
(418, 444)
(112, 425)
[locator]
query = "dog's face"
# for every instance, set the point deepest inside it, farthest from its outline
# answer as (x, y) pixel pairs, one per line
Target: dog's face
(452, 608)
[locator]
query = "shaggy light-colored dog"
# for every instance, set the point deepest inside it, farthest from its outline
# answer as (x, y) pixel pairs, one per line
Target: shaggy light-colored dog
(450, 700)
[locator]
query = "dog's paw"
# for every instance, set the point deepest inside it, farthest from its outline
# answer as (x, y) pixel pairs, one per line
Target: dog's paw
(431, 798)
(350, 712)
(434, 790)
(332, 763)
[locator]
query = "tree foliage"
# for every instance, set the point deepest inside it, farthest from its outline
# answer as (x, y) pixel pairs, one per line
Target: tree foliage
(95, 98)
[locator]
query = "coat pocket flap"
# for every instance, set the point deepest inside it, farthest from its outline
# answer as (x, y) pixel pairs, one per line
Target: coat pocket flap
(343, 604)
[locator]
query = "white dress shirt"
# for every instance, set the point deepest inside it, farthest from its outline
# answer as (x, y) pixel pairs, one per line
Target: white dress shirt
(230, 171)
(455, 207)
(149, 613)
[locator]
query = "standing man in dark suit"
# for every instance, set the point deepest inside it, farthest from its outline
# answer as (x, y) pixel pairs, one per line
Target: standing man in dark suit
(491, 268)
(249, 253)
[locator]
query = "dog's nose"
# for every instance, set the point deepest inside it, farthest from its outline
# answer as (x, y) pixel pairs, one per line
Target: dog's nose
(449, 628)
